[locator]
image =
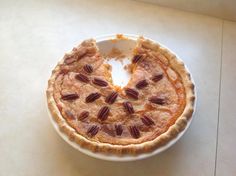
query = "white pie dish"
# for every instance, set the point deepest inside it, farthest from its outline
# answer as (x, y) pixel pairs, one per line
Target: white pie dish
(105, 44)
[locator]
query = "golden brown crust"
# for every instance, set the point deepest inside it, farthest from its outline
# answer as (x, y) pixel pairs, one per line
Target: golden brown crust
(133, 149)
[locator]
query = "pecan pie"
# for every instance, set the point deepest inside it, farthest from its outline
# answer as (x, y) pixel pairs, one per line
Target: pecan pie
(149, 111)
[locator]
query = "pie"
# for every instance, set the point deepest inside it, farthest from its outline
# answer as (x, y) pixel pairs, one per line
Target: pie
(151, 110)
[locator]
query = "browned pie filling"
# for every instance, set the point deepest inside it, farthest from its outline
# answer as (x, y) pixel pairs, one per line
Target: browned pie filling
(145, 108)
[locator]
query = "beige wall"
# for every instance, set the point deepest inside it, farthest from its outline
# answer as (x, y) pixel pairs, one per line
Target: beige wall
(225, 9)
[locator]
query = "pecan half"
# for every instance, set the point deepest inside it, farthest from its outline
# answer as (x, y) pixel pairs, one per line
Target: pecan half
(71, 96)
(93, 130)
(131, 93)
(128, 107)
(137, 58)
(147, 121)
(88, 68)
(100, 82)
(92, 97)
(157, 77)
(69, 115)
(69, 60)
(64, 71)
(109, 130)
(141, 84)
(157, 100)
(103, 113)
(83, 115)
(111, 98)
(82, 77)
(119, 130)
(134, 131)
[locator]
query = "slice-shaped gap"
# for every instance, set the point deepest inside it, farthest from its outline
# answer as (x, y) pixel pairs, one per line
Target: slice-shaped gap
(117, 54)
(120, 75)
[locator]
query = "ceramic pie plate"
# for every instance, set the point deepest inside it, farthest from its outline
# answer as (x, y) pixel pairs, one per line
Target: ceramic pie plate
(106, 44)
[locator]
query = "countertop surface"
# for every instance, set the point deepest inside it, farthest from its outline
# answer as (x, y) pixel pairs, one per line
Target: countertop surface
(34, 35)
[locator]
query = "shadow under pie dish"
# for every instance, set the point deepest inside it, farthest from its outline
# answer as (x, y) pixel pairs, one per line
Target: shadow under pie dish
(150, 111)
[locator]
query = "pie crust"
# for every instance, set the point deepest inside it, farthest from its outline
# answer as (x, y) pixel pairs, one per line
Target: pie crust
(158, 114)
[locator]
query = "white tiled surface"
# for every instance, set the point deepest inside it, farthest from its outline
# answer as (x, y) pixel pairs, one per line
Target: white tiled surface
(225, 9)
(34, 35)
(226, 157)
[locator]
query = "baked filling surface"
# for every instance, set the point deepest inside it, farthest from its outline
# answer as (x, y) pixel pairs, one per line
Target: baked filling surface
(98, 111)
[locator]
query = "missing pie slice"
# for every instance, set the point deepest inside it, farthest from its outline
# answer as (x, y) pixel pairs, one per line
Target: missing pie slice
(152, 109)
